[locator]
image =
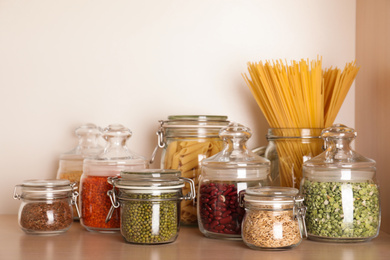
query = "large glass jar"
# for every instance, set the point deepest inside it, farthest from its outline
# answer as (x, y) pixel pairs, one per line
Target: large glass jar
(149, 202)
(274, 218)
(46, 206)
(116, 157)
(71, 163)
(287, 150)
(223, 177)
(186, 141)
(341, 192)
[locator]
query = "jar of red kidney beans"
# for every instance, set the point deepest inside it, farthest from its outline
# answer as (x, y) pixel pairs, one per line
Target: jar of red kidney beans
(223, 177)
(116, 157)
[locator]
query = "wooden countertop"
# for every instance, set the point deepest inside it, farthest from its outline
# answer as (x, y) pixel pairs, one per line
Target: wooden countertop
(77, 243)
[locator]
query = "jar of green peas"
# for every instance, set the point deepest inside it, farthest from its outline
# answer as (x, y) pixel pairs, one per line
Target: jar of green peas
(341, 192)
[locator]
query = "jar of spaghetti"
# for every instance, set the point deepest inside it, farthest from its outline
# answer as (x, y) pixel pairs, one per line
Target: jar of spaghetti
(46, 206)
(341, 191)
(274, 218)
(223, 177)
(186, 141)
(116, 157)
(287, 150)
(71, 163)
(149, 202)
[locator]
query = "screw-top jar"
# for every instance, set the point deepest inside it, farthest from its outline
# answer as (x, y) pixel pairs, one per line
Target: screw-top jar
(223, 177)
(71, 163)
(274, 218)
(187, 140)
(341, 192)
(149, 202)
(46, 206)
(116, 157)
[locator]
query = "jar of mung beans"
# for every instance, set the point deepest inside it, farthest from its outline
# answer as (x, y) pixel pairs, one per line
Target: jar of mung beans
(149, 202)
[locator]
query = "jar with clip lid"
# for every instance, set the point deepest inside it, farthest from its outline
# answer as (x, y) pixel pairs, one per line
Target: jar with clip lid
(149, 202)
(223, 177)
(46, 207)
(341, 191)
(187, 140)
(274, 218)
(116, 157)
(71, 163)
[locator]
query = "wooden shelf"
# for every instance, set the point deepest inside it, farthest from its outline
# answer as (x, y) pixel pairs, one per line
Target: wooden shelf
(77, 243)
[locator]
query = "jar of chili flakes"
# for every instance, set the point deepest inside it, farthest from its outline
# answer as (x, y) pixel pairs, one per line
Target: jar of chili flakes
(223, 177)
(116, 157)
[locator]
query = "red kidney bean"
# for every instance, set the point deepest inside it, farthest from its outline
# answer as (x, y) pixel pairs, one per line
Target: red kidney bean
(224, 215)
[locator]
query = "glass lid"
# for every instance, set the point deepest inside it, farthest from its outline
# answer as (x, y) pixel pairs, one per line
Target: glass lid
(272, 194)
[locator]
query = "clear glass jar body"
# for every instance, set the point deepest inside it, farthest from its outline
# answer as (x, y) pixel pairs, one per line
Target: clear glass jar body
(223, 177)
(149, 205)
(116, 157)
(287, 150)
(187, 140)
(274, 218)
(341, 191)
(71, 163)
(46, 207)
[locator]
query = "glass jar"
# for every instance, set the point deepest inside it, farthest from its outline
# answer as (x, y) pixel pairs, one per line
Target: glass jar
(186, 141)
(341, 191)
(116, 157)
(71, 163)
(274, 218)
(46, 207)
(287, 150)
(149, 202)
(223, 177)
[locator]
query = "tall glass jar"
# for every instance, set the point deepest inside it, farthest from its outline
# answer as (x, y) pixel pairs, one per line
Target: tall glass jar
(46, 207)
(287, 150)
(341, 191)
(186, 141)
(149, 202)
(116, 157)
(274, 218)
(223, 177)
(71, 163)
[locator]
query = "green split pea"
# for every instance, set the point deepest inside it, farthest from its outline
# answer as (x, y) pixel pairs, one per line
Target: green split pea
(341, 210)
(150, 219)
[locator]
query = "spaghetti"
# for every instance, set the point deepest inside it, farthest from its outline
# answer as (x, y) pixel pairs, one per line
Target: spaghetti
(296, 96)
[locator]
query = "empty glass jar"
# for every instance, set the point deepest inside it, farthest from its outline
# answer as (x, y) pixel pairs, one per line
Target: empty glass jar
(149, 202)
(341, 191)
(274, 218)
(46, 206)
(223, 177)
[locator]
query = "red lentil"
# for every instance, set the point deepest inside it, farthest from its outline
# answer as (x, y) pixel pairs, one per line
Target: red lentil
(95, 204)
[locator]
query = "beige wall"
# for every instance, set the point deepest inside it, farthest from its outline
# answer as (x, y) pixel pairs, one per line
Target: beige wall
(373, 91)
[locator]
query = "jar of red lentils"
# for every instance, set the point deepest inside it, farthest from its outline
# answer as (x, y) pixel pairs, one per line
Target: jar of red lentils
(116, 157)
(223, 177)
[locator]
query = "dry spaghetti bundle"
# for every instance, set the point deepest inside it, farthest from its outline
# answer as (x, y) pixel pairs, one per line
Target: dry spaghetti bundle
(296, 96)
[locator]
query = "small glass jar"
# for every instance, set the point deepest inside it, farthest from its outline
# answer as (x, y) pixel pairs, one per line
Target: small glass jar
(71, 163)
(274, 218)
(116, 157)
(46, 207)
(287, 150)
(223, 177)
(186, 141)
(341, 191)
(149, 202)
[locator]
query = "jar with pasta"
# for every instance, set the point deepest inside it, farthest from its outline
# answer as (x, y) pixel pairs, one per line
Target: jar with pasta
(71, 163)
(223, 177)
(116, 157)
(186, 141)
